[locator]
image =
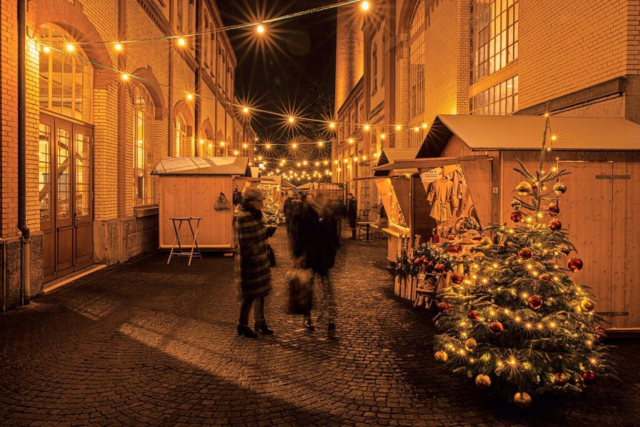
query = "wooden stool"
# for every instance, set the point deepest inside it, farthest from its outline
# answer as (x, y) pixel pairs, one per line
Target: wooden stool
(426, 293)
(194, 233)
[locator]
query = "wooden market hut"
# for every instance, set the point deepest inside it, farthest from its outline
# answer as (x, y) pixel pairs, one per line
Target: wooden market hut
(191, 186)
(599, 209)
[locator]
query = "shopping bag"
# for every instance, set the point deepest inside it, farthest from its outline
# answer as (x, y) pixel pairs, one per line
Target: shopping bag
(300, 290)
(222, 204)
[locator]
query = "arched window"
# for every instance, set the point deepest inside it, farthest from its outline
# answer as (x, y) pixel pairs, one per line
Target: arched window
(416, 60)
(66, 81)
(143, 120)
(181, 135)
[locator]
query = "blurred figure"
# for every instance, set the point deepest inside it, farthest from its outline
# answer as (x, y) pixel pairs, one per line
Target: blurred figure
(255, 269)
(315, 247)
(352, 214)
(292, 209)
(340, 212)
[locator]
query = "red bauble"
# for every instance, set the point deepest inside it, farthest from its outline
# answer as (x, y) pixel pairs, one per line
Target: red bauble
(439, 268)
(535, 302)
(444, 306)
(416, 261)
(516, 217)
(545, 277)
(473, 315)
(496, 328)
(525, 253)
(456, 279)
(589, 377)
(553, 210)
(555, 225)
(601, 333)
(575, 264)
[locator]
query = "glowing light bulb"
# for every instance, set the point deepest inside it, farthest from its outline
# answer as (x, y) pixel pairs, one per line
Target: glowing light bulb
(294, 145)
(245, 110)
(424, 125)
(350, 140)
(320, 144)
(222, 143)
(260, 29)
(267, 146)
(245, 145)
(182, 42)
(332, 125)
(398, 128)
(201, 141)
(189, 96)
(365, 5)
(124, 77)
(235, 153)
(367, 128)
(554, 137)
(118, 47)
(335, 162)
(46, 49)
(70, 47)
(346, 160)
(383, 136)
(305, 163)
(291, 119)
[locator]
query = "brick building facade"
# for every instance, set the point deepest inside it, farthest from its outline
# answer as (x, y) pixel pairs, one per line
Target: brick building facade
(427, 57)
(92, 138)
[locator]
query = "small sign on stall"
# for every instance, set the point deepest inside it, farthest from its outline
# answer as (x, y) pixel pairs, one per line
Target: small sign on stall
(431, 175)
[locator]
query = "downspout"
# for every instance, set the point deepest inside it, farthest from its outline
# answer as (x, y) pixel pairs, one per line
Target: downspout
(25, 282)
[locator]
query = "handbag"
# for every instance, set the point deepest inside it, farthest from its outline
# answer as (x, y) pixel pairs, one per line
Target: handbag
(271, 255)
(300, 283)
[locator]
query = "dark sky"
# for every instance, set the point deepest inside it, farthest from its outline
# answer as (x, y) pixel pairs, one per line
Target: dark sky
(290, 69)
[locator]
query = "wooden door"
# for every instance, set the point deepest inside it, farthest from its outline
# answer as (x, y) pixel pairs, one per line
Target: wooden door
(587, 214)
(66, 195)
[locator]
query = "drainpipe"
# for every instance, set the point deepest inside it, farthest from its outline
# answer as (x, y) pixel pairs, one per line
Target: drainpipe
(25, 283)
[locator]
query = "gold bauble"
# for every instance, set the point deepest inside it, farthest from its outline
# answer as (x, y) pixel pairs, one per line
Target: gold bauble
(560, 379)
(483, 382)
(441, 356)
(486, 241)
(470, 344)
(524, 188)
(522, 400)
(587, 305)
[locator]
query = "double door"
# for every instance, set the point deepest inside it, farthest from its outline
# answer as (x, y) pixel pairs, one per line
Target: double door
(65, 195)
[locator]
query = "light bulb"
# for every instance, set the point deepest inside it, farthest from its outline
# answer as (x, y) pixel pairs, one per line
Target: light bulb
(367, 128)
(222, 143)
(182, 42)
(124, 77)
(118, 47)
(245, 110)
(365, 5)
(260, 29)
(189, 96)
(46, 49)
(398, 128)
(70, 47)
(332, 125)
(291, 119)
(383, 136)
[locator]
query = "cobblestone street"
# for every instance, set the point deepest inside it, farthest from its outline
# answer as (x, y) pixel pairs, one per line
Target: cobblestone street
(153, 344)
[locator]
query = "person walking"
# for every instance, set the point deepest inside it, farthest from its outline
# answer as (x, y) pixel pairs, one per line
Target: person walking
(315, 248)
(352, 214)
(255, 269)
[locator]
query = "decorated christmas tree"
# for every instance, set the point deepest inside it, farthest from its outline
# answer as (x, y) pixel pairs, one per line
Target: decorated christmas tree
(271, 211)
(518, 324)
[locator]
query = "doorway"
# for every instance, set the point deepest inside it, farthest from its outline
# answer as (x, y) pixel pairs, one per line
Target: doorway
(65, 195)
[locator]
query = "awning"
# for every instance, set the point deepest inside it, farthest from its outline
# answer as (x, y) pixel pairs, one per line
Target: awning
(390, 156)
(203, 166)
(486, 133)
(430, 163)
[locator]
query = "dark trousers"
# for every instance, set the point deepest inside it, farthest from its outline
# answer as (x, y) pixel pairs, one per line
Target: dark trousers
(352, 223)
(328, 297)
(258, 310)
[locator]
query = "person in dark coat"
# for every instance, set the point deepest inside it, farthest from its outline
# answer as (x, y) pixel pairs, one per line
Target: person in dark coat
(255, 269)
(352, 214)
(315, 247)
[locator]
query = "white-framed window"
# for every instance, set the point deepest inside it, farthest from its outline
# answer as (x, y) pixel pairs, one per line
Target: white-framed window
(416, 60)
(181, 135)
(494, 36)
(501, 99)
(180, 16)
(66, 81)
(143, 131)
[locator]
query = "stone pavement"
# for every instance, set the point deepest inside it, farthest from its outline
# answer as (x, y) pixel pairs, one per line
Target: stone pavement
(153, 344)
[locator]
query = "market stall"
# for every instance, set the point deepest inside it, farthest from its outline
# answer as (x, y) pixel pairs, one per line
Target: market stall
(600, 210)
(200, 187)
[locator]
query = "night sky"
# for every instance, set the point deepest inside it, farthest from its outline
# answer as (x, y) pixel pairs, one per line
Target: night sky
(290, 70)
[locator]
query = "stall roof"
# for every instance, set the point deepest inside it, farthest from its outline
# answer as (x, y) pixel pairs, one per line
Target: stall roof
(390, 156)
(429, 163)
(306, 186)
(287, 184)
(203, 166)
(525, 133)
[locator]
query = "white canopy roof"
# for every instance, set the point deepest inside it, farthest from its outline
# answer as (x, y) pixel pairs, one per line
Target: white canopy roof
(203, 166)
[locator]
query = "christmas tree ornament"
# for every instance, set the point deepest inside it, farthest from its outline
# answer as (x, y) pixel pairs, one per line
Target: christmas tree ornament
(496, 328)
(516, 204)
(439, 268)
(560, 379)
(553, 210)
(535, 302)
(516, 217)
(456, 279)
(555, 225)
(565, 249)
(535, 186)
(470, 344)
(587, 305)
(559, 188)
(575, 264)
(486, 242)
(525, 253)
(473, 315)
(522, 400)
(589, 377)
(443, 307)
(524, 188)
(441, 356)
(545, 277)
(601, 333)
(483, 382)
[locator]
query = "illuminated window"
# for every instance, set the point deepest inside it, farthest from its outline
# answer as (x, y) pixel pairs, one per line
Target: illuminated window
(494, 36)
(66, 80)
(374, 67)
(181, 135)
(44, 172)
(416, 60)
(143, 120)
(501, 99)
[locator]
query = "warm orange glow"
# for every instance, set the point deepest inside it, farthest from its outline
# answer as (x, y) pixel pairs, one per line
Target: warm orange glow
(182, 42)
(383, 136)
(292, 119)
(260, 29)
(118, 47)
(46, 49)
(424, 125)
(267, 146)
(222, 143)
(332, 125)
(294, 145)
(70, 47)
(202, 141)
(367, 128)
(365, 5)
(398, 128)
(351, 141)
(245, 145)
(235, 153)
(320, 144)
(189, 97)
(124, 77)
(245, 110)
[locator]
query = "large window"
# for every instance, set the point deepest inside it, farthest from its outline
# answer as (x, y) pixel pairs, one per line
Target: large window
(494, 33)
(66, 80)
(501, 99)
(416, 60)
(143, 119)
(181, 135)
